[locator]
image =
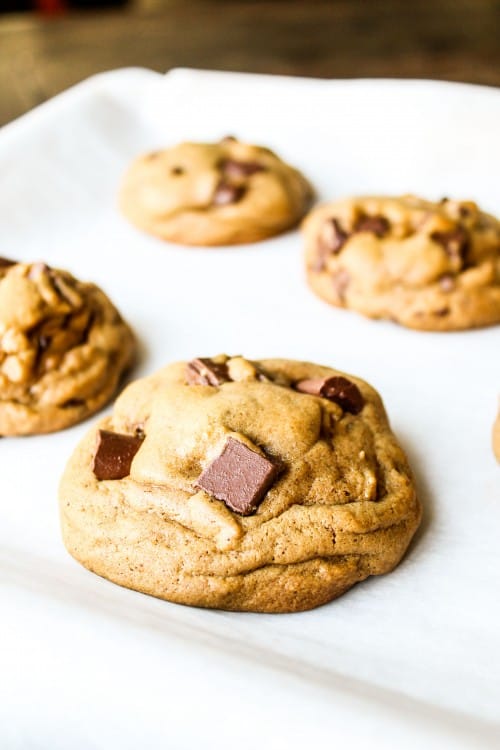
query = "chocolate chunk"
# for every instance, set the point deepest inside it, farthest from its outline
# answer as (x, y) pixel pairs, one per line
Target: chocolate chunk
(177, 171)
(225, 194)
(239, 477)
(204, 371)
(442, 312)
(332, 236)
(377, 225)
(331, 240)
(72, 403)
(6, 262)
(228, 139)
(114, 454)
(239, 169)
(344, 392)
(447, 283)
(455, 242)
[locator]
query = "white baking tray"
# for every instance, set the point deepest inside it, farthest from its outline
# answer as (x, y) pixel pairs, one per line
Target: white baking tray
(408, 660)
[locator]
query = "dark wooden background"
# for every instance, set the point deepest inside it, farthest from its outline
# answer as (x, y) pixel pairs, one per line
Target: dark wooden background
(447, 39)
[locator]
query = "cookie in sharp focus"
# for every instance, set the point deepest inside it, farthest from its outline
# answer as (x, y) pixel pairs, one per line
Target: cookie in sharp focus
(269, 486)
(429, 266)
(214, 193)
(63, 348)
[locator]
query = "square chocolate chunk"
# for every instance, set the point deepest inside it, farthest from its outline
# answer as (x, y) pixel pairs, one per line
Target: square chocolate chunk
(114, 454)
(204, 371)
(239, 477)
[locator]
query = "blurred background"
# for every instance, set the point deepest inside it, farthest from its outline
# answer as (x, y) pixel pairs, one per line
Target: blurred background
(48, 45)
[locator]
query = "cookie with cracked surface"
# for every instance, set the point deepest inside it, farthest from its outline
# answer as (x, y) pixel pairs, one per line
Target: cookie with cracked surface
(429, 266)
(214, 193)
(63, 348)
(269, 486)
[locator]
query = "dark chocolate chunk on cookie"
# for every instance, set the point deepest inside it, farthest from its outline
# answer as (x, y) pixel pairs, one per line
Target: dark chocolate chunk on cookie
(240, 477)
(114, 454)
(205, 371)
(344, 392)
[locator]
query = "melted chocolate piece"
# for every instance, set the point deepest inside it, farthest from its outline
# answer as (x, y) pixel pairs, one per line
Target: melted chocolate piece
(377, 225)
(442, 312)
(225, 194)
(7, 262)
(342, 391)
(455, 243)
(239, 169)
(204, 371)
(72, 403)
(239, 477)
(330, 242)
(114, 454)
(333, 237)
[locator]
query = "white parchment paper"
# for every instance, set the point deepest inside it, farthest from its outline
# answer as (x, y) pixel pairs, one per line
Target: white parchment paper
(409, 660)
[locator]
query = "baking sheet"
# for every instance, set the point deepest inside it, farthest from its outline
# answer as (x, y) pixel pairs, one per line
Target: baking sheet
(405, 659)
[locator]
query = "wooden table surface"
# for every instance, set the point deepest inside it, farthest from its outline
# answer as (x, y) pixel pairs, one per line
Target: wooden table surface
(446, 39)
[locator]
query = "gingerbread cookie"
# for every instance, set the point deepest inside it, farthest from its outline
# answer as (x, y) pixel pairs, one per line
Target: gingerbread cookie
(63, 348)
(269, 486)
(214, 193)
(430, 266)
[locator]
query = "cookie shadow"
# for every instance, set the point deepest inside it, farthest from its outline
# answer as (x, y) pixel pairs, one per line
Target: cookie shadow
(416, 548)
(139, 364)
(424, 491)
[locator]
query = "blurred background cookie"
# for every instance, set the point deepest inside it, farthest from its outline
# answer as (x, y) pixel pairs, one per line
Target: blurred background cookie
(269, 486)
(214, 193)
(431, 266)
(63, 348)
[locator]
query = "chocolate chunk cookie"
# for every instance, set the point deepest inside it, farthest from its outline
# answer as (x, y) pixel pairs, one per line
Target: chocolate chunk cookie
(430, 266)
(63, 348)
(269, 486)
(214, 193)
